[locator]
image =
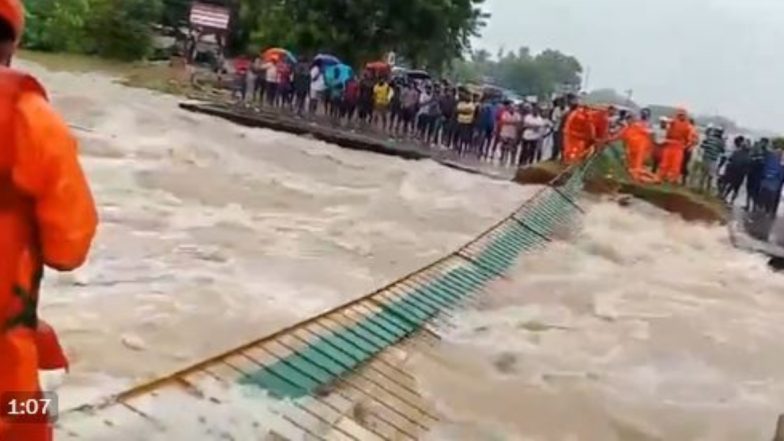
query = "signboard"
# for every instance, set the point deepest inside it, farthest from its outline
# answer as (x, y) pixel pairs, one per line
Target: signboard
(210, 16)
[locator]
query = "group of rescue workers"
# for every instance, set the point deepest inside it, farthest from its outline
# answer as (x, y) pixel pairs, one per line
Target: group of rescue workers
(586, 128)
(675, 152)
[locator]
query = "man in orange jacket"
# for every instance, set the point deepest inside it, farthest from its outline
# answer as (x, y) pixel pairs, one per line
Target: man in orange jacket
(637, 137)
(47, 217)
(680, 135)
(579, 133)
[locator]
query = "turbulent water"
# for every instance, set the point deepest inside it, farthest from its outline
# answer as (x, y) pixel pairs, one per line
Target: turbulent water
(213, 234)
(643, 327)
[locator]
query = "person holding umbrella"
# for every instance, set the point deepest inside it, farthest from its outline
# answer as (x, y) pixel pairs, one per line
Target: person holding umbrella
(270, 68)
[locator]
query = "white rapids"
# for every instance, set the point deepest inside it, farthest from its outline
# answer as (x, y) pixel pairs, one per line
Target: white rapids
(214, 234)
(643, 327)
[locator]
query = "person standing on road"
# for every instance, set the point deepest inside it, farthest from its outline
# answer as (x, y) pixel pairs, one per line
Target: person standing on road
(713, 148)
(770, 187)
(47, 218)
(558, 116)
(754, 177)
(738, 167)
(509, 122)
(448, 105)
(318, 85)
(465, 123)
(284, 84)
(301, 84)
(271, 78)
(365, 103)
(534, 129)
(382, 95)
(679, 138)
(408, 104)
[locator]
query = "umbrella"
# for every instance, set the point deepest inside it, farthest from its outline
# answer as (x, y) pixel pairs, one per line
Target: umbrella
(276, 54)
(324, 60)
(418, 75)
(338, 74)
(380, 66)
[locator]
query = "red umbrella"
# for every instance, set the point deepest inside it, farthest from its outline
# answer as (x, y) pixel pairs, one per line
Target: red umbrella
(379, 66)
(276, 54)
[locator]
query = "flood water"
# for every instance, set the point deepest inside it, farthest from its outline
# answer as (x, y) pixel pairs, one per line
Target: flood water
(642, 327)
(213, 234)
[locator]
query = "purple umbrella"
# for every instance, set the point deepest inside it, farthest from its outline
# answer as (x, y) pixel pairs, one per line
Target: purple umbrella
(324, 60)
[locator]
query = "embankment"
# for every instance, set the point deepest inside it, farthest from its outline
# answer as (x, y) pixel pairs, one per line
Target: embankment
(690, 205)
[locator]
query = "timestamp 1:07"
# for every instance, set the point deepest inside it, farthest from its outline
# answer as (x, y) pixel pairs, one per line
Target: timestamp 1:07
(37, 406)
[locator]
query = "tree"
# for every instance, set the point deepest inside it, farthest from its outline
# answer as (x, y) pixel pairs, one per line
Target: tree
(57, 25)
(428, 33)
(520, 71)
(123, 28)
(175, 13)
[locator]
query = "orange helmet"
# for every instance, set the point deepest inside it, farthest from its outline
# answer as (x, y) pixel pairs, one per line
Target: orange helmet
(12, 11)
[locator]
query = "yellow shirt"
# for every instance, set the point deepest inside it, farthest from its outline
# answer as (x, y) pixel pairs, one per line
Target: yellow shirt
(465, 112)
(381, 94)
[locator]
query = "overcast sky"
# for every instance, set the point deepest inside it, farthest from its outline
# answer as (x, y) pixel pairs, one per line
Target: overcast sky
(711, 56)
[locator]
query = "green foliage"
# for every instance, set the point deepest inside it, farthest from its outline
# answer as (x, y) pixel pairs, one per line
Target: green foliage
(428, 33)
(539, 75)
(111, 28)
(122, 28)
(57, 25)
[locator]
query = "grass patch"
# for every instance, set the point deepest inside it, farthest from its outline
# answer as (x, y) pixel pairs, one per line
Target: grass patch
(608, 175)
(158, 76)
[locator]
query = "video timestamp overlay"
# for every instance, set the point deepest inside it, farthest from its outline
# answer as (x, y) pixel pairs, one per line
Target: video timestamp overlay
(29, 407)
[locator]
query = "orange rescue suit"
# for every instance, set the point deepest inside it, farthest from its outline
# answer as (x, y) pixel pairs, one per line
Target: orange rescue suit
(680, 136)
(601, 123)
(47, 217)
(579, 134)
(639, 145)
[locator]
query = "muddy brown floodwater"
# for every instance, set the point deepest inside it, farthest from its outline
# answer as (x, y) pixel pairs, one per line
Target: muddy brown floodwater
(214, 234)
(643, 327)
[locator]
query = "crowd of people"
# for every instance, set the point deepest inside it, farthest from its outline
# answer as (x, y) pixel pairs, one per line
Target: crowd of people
(484, 125)
(438, 114)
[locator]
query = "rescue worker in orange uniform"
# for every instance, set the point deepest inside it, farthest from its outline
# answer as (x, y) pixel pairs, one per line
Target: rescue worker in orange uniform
(579, 134)
(637, 137)
(600, 118)
(47, 217)
(680, 135)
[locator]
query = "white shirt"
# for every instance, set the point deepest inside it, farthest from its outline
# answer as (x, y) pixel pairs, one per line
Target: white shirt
(558, 115)
(317, 82)
(271, 72)
(535, 127)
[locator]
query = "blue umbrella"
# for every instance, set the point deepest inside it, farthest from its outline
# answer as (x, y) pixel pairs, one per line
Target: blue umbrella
(324, 60)
(338, 74)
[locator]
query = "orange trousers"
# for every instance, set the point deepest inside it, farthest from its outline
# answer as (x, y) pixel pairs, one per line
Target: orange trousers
(671, 163)
(636, 155)
(574, 149)
(19, 374)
